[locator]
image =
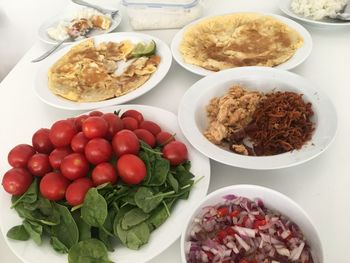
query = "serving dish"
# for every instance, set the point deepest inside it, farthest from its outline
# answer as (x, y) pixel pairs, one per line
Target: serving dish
(301, 54)
(284, 6)
(41, 82)
(162, 238)
(193, 120)
(272, 200)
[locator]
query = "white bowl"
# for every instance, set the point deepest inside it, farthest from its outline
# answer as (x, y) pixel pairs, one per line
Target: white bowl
(193, 120)
(273, 200)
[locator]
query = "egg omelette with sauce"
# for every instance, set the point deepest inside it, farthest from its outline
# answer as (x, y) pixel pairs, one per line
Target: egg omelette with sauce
(87, 72)
(236, 40)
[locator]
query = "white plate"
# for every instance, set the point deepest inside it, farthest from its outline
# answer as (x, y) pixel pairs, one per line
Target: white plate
(299, 57)
(193, 120)
(284, 5)
(53, 22)
(44, 93)
(159, 240)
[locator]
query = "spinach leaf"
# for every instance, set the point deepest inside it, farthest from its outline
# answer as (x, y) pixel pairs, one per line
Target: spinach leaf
(34, 230)
(159, 215)
(145, 158)
(173, 182)
(137, 236)
(83, 228)
(133, 218)
(30, 196)
(160, 171)
(18, 233)
(58, 245)
(67, 231)
(183, 175)
(88, 251)
(94, 210)
(146, 200)
(106, 239)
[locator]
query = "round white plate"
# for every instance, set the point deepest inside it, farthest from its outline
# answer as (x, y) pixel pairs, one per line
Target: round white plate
(284, 5)
(193, 119)
(53, 22)
(41, 82)
(159, 240)
(299, 57)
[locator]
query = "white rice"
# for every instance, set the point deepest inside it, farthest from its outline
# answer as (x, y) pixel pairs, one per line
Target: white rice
(317, 9)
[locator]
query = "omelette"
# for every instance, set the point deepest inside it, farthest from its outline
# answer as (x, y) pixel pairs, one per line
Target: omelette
(87, 72)
(237, 40)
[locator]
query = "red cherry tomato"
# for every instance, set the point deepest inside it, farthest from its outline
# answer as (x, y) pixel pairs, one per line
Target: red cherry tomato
(39, 164)
(96, 113)
(115, 124)
(124, 142)
(41, 141)
(130, 123)
(78, 122)
(98, 150)
(53, 186)
(16, 181)
(146, 136)
(79, 142)
(164, 138)
(104, 173)
(150, 126)
(77, 190)
(19, 155)
(57, 155)
(131, 169)
(133, 114)
(175, 152)
(62, 132)
(95, 127)
(74, 166)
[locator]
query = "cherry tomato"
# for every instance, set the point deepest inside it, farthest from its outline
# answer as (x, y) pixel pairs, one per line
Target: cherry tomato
(125, 141)
(78, 122)
(146, 136)
(53, 186)
(62, 132)
(130, 123)
(19, 155)
(134, 114)
(16, 181)
(222, 211)
(115, 124)
(39, 164)
(74, 166)
(164, 138)
(79, 142)
(77, 190)
(150, 126)
(175, 152)
(131, 169)
(98, 150)
(41, 141)
(57, 155)
(96, 113)
(95, 127)
(104, 173)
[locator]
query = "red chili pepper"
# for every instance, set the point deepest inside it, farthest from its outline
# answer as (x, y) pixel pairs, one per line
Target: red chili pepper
(229, 231)
(260, 217)
(234, 213)
(221, 235)
(210, 255)
(258, 223)
(222, 211)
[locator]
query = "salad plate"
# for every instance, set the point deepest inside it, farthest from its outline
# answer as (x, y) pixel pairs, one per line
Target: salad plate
(159, 240)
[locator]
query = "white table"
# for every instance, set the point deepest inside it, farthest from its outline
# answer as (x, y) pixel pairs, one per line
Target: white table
(320, 186)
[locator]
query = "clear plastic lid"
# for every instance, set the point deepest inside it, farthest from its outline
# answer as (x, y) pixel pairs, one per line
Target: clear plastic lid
(161, 3)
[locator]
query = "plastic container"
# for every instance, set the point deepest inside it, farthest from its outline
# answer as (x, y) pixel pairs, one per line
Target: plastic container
(161, 14)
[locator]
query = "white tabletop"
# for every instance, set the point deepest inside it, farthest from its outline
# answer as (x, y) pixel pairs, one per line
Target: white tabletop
(320, 186)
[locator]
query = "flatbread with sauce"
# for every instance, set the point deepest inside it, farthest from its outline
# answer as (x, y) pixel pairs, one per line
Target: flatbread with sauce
(237, 40)
(87, 73)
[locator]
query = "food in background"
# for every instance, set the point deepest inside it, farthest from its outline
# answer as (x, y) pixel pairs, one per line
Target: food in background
(87, 73)
(237, 40)
(318, 9)
(252, 123)
(114, 186)
(241, 230)
(82, 21)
